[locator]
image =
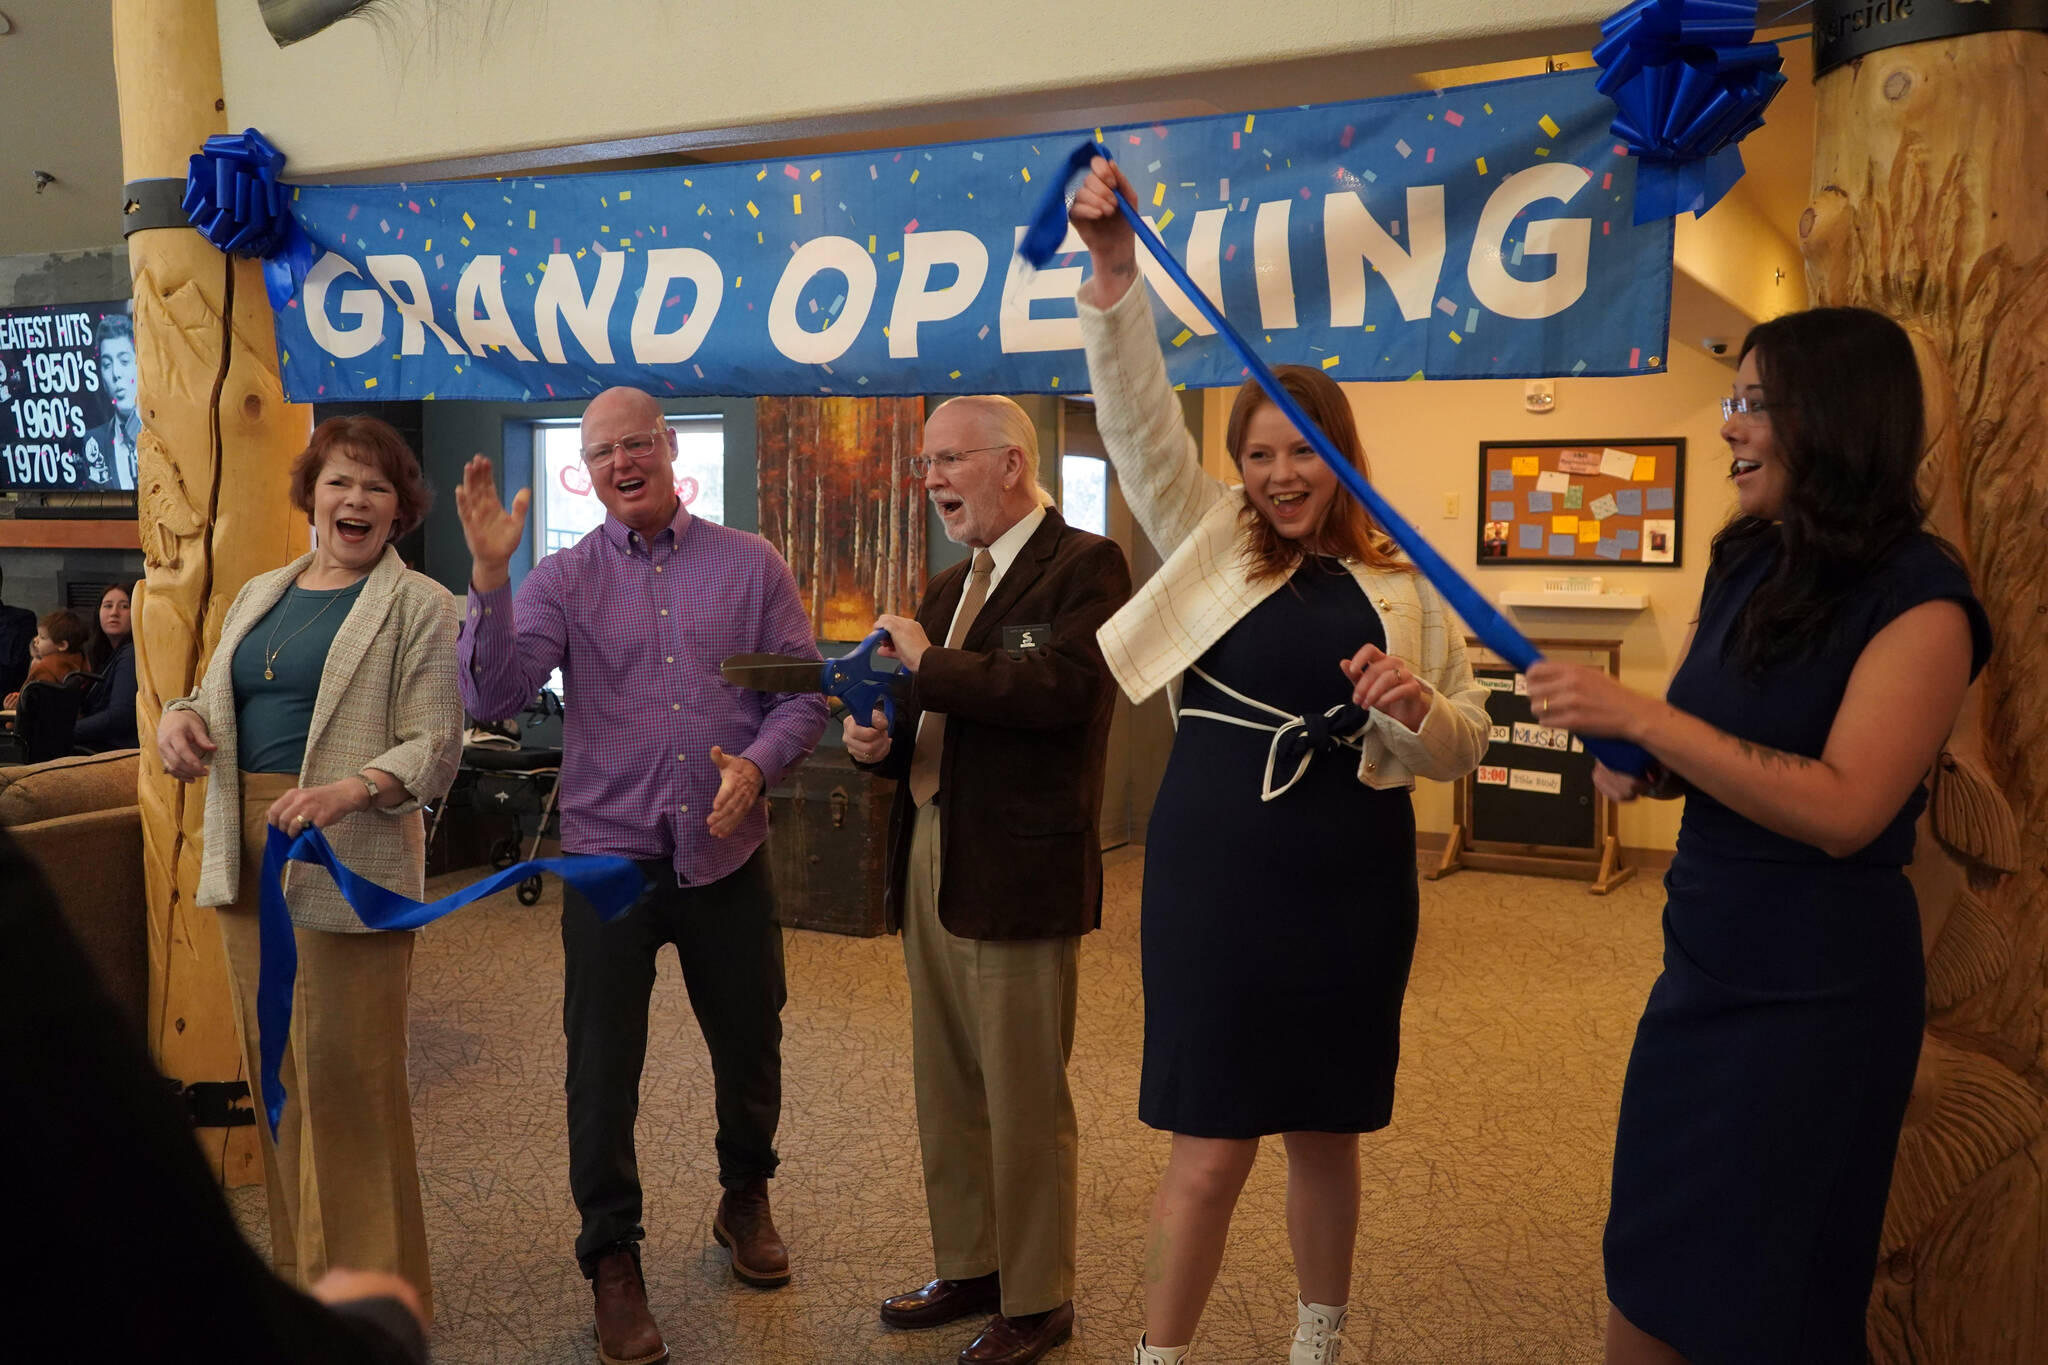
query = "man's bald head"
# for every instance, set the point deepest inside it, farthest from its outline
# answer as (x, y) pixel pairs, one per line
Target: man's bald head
(630, 452)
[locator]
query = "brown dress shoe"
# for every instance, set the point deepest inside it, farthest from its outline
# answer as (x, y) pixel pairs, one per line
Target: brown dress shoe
(1018, 1341)
(744, 1226)
(943, 1301)
(626, 1334)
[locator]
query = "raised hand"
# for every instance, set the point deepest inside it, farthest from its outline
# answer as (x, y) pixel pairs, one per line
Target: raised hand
(490, 530)
(1112, 244)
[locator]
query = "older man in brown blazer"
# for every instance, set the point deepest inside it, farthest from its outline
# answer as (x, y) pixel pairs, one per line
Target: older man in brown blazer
(995, 871)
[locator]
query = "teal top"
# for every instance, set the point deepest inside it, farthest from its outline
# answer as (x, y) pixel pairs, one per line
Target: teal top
(274, 713)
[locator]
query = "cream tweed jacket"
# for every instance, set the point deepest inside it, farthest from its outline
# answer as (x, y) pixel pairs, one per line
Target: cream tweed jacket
(387, 700)
(1205, 586)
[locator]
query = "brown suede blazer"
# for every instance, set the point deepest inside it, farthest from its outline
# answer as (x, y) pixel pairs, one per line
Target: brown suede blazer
(1027, 729)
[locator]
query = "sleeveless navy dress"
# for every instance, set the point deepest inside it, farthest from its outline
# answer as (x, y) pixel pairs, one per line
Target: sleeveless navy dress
(1771, 1069)
(1276, 935)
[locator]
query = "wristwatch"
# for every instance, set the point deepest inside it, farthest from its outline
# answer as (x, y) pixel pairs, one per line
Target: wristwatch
(371, 783)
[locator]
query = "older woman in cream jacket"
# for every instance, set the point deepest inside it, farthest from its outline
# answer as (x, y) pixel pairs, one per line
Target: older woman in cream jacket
(1317, 675)
(331, 702)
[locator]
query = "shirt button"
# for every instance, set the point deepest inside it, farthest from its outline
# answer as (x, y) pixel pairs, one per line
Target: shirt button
(675, 706)
(671, 659)
(664, 611)
(681, 758)
(487, 611)
(657, 568)
(686, 810)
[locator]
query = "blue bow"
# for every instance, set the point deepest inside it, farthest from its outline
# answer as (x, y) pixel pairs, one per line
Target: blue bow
(1687, 85)
(610, 884)
(236, 201)
(1043, 237)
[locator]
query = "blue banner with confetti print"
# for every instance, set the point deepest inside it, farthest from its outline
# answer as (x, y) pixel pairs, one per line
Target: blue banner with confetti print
(1481, 232)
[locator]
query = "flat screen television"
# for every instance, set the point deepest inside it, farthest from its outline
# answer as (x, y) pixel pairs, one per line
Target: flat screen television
(68, 419)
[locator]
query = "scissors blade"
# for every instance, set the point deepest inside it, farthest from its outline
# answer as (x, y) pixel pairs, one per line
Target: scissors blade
(772, 673)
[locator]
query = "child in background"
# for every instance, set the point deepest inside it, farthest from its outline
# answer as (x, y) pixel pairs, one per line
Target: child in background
(57, 651)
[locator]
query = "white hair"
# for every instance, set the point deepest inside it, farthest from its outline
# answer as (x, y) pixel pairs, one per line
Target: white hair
(1007, 424)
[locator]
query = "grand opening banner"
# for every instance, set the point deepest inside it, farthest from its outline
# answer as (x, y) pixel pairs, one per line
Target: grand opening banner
(1481, 232)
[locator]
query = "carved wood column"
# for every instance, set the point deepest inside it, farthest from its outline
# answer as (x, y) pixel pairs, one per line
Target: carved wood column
(1930, 204)
(217, 440)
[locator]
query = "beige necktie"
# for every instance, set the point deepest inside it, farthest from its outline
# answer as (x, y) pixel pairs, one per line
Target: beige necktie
(931, 732)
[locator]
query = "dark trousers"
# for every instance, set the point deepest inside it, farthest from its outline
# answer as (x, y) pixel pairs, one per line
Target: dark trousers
(730, 947)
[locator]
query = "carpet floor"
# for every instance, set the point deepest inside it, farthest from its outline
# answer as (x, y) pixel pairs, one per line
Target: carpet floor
(1479, 1232)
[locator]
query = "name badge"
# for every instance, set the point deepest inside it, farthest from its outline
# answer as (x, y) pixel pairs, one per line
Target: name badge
(1017, 639)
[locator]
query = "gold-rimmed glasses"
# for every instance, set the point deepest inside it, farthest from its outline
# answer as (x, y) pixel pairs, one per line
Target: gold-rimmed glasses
(639, 444)
(947, 460)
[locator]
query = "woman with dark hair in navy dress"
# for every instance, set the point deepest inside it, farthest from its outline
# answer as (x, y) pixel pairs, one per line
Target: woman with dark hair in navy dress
(1835, 640)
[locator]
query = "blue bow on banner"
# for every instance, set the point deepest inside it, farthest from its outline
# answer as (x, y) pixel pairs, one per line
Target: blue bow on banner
(234, 198)
(1687, 85)
(609, 884)
(1042, 239)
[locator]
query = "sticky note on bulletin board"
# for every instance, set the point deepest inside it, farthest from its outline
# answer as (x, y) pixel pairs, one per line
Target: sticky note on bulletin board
(1632, 496)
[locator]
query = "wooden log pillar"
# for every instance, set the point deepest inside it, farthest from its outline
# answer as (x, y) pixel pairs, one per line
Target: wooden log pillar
(1930, 204)
(216, 445)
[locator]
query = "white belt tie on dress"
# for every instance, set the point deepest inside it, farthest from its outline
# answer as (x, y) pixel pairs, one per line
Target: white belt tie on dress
(1292, 732)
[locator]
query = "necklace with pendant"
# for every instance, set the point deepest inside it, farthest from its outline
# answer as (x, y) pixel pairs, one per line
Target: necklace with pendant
(271, 648)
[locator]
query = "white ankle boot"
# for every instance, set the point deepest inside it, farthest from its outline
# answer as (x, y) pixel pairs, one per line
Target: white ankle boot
(1143, 1354)
(1318, 1333)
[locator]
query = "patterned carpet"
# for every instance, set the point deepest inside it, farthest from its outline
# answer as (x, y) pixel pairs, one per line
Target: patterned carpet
(1480, 1232)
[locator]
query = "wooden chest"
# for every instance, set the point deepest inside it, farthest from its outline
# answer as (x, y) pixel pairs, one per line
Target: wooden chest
(828, 845)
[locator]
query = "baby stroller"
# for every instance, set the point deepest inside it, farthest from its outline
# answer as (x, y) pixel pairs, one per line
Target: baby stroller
(505, 785)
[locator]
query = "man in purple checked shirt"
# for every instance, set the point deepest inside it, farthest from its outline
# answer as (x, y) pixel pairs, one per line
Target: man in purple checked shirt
(664, 763)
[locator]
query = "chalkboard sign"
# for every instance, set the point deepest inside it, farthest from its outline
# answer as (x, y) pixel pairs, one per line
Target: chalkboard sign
(1531, 805)
(1535, 785)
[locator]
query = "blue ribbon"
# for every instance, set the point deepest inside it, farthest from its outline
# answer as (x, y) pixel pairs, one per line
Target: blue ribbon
(610, 884)
(1687, 85)
(1042, 239)
(233, 196)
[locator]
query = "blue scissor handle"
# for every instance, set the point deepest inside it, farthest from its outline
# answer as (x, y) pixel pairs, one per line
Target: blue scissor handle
(856, 681)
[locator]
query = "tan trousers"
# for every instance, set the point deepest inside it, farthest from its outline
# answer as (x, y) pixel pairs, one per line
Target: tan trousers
(342, 1178)
(992, 1026)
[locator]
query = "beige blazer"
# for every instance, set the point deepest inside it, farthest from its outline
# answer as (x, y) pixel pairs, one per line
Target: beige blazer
(387, 700)
(1206, 587)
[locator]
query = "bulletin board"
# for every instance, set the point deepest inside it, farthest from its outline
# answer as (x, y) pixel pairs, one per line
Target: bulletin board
(1581, 502)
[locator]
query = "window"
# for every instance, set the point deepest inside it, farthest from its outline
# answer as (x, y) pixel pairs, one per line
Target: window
(1084, 492)
(565, 509)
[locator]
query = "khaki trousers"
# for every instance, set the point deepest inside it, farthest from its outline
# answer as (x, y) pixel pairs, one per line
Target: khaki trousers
(992, 1026)
(342, 1178)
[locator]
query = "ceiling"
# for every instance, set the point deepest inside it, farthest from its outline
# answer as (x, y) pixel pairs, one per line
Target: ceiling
(58, 114)
(66, 45)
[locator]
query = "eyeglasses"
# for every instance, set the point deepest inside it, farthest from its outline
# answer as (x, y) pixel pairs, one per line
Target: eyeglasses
(1752, 410)
(947, 460)
(632, 447)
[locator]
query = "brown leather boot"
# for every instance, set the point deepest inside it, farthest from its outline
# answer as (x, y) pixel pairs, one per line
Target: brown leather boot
(626, 1334)
(744, 1226)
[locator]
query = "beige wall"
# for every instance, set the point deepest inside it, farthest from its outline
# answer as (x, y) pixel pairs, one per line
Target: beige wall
(424, 82)
(1423, 440)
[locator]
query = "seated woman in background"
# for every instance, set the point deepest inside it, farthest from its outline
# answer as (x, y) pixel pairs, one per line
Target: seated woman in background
(56, 653)
(1769, 1079)
(331, 702)
(1319, 675)
(107, 718)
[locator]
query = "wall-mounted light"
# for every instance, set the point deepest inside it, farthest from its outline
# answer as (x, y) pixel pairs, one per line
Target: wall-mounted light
(43, 178)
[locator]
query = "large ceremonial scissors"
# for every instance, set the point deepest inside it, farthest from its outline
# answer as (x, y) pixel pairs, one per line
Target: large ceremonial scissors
(1042, 240)
(853, 680)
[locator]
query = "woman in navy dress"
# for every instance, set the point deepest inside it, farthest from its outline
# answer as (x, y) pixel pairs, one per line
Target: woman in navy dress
(1834, 643)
